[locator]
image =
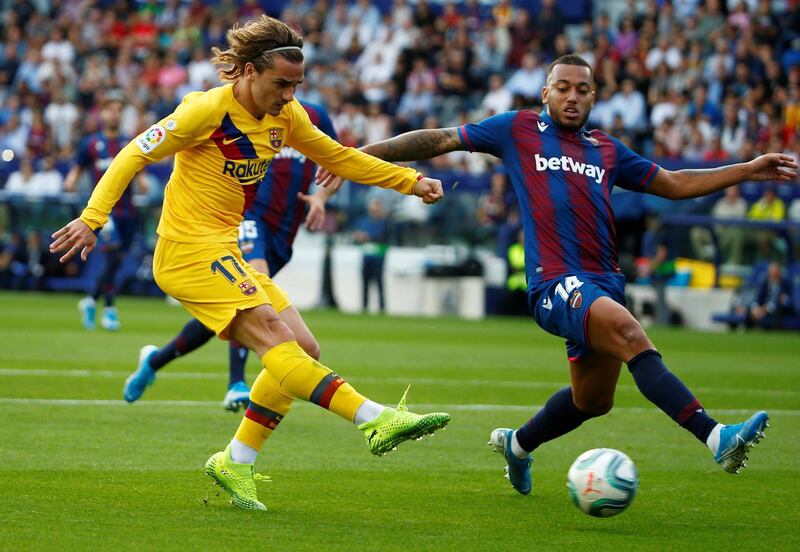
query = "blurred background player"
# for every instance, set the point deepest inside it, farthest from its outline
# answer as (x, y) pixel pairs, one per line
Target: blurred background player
(266, 236)
(96, 153)
(563, 175)
(372, 232)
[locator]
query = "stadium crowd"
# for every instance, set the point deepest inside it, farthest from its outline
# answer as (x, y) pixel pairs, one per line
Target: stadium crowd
(702, 81)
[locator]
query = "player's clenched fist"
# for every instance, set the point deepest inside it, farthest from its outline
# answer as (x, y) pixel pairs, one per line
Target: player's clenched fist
(429, 189)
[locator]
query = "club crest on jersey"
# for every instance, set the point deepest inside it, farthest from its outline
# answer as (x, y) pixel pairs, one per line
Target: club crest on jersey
(276, 137)
(248, 287)
(591, 139)
(576, 299)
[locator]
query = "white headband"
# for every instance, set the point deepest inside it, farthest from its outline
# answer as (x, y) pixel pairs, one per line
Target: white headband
(282, 48)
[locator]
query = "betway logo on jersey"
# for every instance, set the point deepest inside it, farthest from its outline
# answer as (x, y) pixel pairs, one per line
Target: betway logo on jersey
(290, 153)
(568, 164)
(246, 171)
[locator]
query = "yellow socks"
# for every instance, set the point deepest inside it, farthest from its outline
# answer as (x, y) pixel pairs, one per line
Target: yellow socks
(290, 373)
(303, 377)
(268, 405)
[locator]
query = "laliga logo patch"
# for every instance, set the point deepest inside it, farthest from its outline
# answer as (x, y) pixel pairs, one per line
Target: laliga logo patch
(576, 299)
(151, 138)
(276, 137)
(248, 287)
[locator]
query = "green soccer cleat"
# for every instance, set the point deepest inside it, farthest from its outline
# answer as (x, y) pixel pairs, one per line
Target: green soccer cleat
(395, 425)
(238, 480)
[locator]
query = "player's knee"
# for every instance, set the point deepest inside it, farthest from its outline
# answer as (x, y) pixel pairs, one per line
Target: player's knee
(277, 330)
(631, 334)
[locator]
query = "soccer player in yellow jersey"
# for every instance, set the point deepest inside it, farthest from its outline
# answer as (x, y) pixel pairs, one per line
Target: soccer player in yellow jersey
(223, 141)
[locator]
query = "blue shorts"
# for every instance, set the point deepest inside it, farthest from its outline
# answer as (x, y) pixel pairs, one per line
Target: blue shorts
(561, 305)
(257, 242)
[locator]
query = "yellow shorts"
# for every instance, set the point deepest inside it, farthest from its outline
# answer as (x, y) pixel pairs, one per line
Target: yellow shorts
(213, 282)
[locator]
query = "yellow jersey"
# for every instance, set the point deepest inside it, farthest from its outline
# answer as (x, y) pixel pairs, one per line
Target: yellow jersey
(221, 153)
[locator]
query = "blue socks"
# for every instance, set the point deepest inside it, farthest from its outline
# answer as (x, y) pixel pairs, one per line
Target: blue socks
(238, 360)
(192, 336)
(666, 391)
(558, 416)
(660, 386)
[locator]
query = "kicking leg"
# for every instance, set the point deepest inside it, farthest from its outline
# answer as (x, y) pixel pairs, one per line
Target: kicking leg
(300, 376)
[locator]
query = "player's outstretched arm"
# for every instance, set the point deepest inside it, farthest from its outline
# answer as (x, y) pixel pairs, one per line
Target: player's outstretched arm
(416, 145)
(75, 236)
(411, 146)
(690, 183)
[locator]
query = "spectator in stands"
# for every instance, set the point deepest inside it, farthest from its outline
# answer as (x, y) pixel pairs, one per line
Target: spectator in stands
(657, 264)
(715, 152)
(773, 301)
(48, 182)
(416, 104)
(631, 105)
(515, 300)
(372, 233)
(21, 182)
(497, 100)
(550, 22)
(61, 115)
(733, 132)
(731, 206)
(768, 208)
(528, 80)
(14, 135)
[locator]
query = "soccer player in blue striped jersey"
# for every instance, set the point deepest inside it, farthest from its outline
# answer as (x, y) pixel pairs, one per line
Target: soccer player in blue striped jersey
(95, 155)
(563, 175)
(266, 235)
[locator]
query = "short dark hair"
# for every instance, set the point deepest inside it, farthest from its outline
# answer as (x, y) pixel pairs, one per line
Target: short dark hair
(569, 59)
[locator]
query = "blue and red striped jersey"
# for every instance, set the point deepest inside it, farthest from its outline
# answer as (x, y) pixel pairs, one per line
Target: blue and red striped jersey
(563, 180)
(96, 153)
(290, 172)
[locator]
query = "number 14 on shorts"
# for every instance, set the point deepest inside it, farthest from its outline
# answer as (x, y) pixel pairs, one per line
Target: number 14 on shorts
(563, 289)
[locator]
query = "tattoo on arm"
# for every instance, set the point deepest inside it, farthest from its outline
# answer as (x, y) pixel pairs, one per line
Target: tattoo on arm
(416, 145)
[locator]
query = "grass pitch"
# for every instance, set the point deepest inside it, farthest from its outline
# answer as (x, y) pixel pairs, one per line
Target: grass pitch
(81, 469)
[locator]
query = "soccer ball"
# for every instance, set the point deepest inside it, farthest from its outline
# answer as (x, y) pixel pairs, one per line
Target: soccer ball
(602, 482)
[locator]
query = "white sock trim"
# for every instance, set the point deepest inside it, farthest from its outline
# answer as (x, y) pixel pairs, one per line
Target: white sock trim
(368, 411)
(516, 448)
(241, 453)
(713, 438)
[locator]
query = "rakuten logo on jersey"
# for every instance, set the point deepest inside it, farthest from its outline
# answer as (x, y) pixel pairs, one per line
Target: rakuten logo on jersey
(568, 164)
(246, 172)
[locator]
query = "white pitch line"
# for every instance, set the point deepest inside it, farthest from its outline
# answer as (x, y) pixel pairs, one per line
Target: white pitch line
(422, 406)
(19, 372)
